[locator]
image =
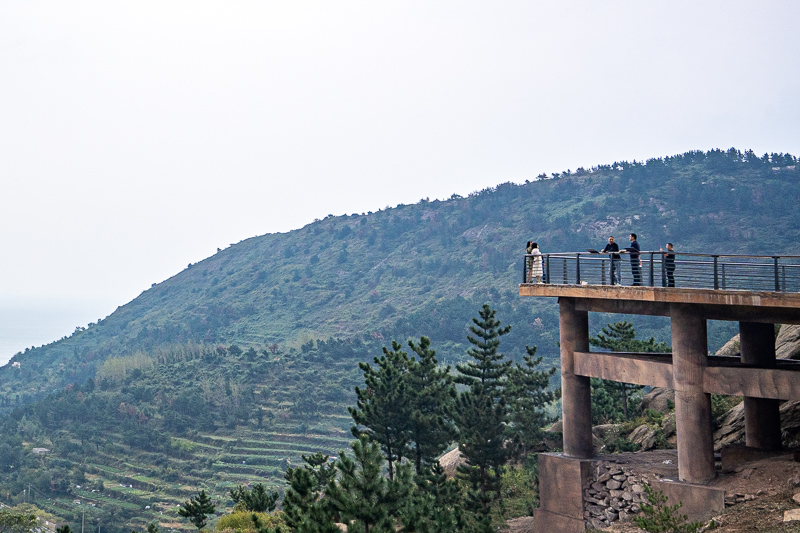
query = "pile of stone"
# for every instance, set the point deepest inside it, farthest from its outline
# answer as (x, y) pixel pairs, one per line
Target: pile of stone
(614, 493)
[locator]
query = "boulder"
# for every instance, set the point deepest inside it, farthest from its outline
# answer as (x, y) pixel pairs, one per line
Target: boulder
(450, 462)
(659, 400)
(787, 345)
(731, 430)
(645, 436)
(731, 348)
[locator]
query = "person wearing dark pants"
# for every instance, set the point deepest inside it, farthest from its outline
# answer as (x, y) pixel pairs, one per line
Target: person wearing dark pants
(669, 265)
(636, 263)
(610, 248)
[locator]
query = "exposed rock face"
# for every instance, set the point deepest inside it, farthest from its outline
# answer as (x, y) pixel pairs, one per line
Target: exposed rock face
(731, 429)
(787, 345)
(645, 436)
(450, 462)
(732, 348)
(658, 399)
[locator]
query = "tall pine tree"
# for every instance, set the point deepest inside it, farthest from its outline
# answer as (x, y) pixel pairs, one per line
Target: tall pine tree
(431, 397)
(361, 496)
(528, 394)
(380, 404)
(481, 412)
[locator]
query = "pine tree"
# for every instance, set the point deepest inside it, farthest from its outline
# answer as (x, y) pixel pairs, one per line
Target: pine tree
(197, 509)
(362, 494)
(431, 398)
(380, 404)
(610, 399)
(257, 500)
(481, 412)
(489, 369)
(303, 509)
(435, 505)
(528, 394)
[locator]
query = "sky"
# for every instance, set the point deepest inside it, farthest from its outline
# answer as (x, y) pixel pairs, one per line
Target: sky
(139, 136)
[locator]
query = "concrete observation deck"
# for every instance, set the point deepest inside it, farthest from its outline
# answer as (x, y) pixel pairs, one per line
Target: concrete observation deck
(581, 287)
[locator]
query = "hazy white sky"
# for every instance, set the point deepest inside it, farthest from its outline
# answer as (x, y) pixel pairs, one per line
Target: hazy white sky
(139, 136)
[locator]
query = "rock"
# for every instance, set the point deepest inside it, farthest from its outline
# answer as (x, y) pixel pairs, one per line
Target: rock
(747, 473)
(637, 488)
(627, 496)
(522, 524)
(450, 462)
(670, 427)
(731, 348)
(623, 516)
(659, 400)
(620, 477)
(787, 345)
(796, 497)
(644, 436)
(613, 484)
(795, 481)
(791, 515)
(603, 478)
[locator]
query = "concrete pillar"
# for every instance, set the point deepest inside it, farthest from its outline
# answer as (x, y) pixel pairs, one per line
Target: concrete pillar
(762, 419)
(576, 400)
(692, 405)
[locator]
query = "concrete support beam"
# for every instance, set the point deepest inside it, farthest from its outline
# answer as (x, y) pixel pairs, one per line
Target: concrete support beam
(576, 403)
(653, 370)
(762, 419)
(692, 404)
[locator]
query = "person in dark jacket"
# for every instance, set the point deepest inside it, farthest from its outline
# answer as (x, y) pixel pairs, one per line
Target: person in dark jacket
(636, 262)
(610, 248)
(669, 265)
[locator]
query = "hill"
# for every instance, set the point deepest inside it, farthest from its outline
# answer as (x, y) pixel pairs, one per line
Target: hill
(230, 370)
(424, 268)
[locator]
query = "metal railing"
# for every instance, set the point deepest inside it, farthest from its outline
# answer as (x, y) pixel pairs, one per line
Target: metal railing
(667, 269)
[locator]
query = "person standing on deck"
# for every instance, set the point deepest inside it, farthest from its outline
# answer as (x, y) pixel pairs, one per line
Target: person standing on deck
(669, 265)
(636, 262)
(610, 248)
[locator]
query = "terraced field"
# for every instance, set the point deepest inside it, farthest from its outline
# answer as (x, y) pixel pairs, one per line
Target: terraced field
(152, 485)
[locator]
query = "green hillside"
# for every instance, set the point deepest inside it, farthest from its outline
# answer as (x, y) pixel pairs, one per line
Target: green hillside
(424, 267)
(230, 370)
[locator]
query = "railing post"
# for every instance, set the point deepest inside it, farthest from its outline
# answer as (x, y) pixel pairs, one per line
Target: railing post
(651, 269)
(525, 269)
(603, 272)
(716, 273)
(578, 268)
(723, 276)
(547, 269)
(777, 276)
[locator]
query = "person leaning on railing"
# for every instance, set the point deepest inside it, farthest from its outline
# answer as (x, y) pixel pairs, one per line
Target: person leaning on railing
(611, 247)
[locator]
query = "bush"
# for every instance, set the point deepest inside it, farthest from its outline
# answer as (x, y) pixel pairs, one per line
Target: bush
(246, 521)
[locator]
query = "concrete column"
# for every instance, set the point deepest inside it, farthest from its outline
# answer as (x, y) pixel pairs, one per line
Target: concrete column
(762, 419)
(576, 400)
(692, 405)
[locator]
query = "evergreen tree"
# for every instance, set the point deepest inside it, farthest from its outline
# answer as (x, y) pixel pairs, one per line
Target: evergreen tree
(362, 497)
(321, 467)
(431, 397)
(303, 510)
(528, 394)
(611, 399)
(381, 404)
(197, 509)
(257, 500)
(488, 371)
(435, 505)
(64, 529)
(481, 412)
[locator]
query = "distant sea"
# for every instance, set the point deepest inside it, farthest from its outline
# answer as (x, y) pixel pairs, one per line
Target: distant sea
(34, 323)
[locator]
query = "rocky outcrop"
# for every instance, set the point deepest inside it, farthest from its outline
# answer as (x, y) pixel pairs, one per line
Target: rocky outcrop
(787, 345)
(660, 400)
(731, 348)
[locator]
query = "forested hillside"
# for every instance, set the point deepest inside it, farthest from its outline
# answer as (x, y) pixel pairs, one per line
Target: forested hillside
(230, 370)
(424, 268)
